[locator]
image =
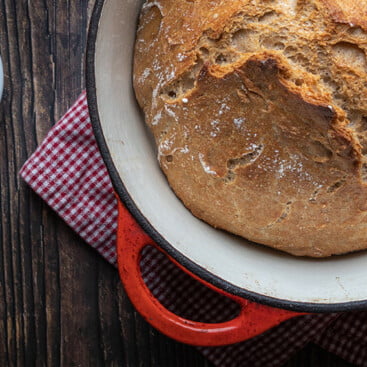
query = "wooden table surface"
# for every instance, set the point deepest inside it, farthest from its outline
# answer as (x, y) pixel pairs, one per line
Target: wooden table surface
(61, 304)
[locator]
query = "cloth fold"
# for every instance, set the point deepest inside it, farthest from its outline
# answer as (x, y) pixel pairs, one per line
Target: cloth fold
(68, 173)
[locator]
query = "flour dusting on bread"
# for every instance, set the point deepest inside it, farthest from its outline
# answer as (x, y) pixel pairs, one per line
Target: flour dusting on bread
(259, 112)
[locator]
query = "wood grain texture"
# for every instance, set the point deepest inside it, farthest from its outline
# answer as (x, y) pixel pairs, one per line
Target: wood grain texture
(60, 303)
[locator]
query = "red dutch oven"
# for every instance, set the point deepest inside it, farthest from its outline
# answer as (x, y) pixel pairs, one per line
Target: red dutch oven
(270, 286)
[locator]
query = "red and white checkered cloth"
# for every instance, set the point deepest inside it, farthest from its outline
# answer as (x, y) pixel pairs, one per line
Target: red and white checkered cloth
(68, 172)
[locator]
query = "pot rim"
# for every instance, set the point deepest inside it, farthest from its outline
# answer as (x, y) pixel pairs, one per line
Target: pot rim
(146, 225)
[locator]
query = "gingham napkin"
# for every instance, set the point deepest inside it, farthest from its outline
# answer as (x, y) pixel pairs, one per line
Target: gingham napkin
(67, 171)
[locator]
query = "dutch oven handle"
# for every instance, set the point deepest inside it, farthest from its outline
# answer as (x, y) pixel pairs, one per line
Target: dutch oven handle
(252, 320)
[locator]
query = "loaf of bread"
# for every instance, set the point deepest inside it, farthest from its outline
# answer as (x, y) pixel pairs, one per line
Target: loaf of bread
(259, 112)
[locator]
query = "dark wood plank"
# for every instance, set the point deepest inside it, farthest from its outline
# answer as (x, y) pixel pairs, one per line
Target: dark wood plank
(61, 304)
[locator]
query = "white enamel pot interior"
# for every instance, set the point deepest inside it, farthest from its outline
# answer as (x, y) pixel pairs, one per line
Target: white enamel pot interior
(231, 263)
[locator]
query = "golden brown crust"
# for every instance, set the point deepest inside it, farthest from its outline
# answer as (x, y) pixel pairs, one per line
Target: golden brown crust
(259, 116)
(352, 12)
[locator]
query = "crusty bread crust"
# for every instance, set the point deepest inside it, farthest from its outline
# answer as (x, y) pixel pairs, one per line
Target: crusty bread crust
(259, 111)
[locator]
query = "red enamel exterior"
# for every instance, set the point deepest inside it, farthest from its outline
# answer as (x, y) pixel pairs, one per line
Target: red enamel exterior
(252, 320)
